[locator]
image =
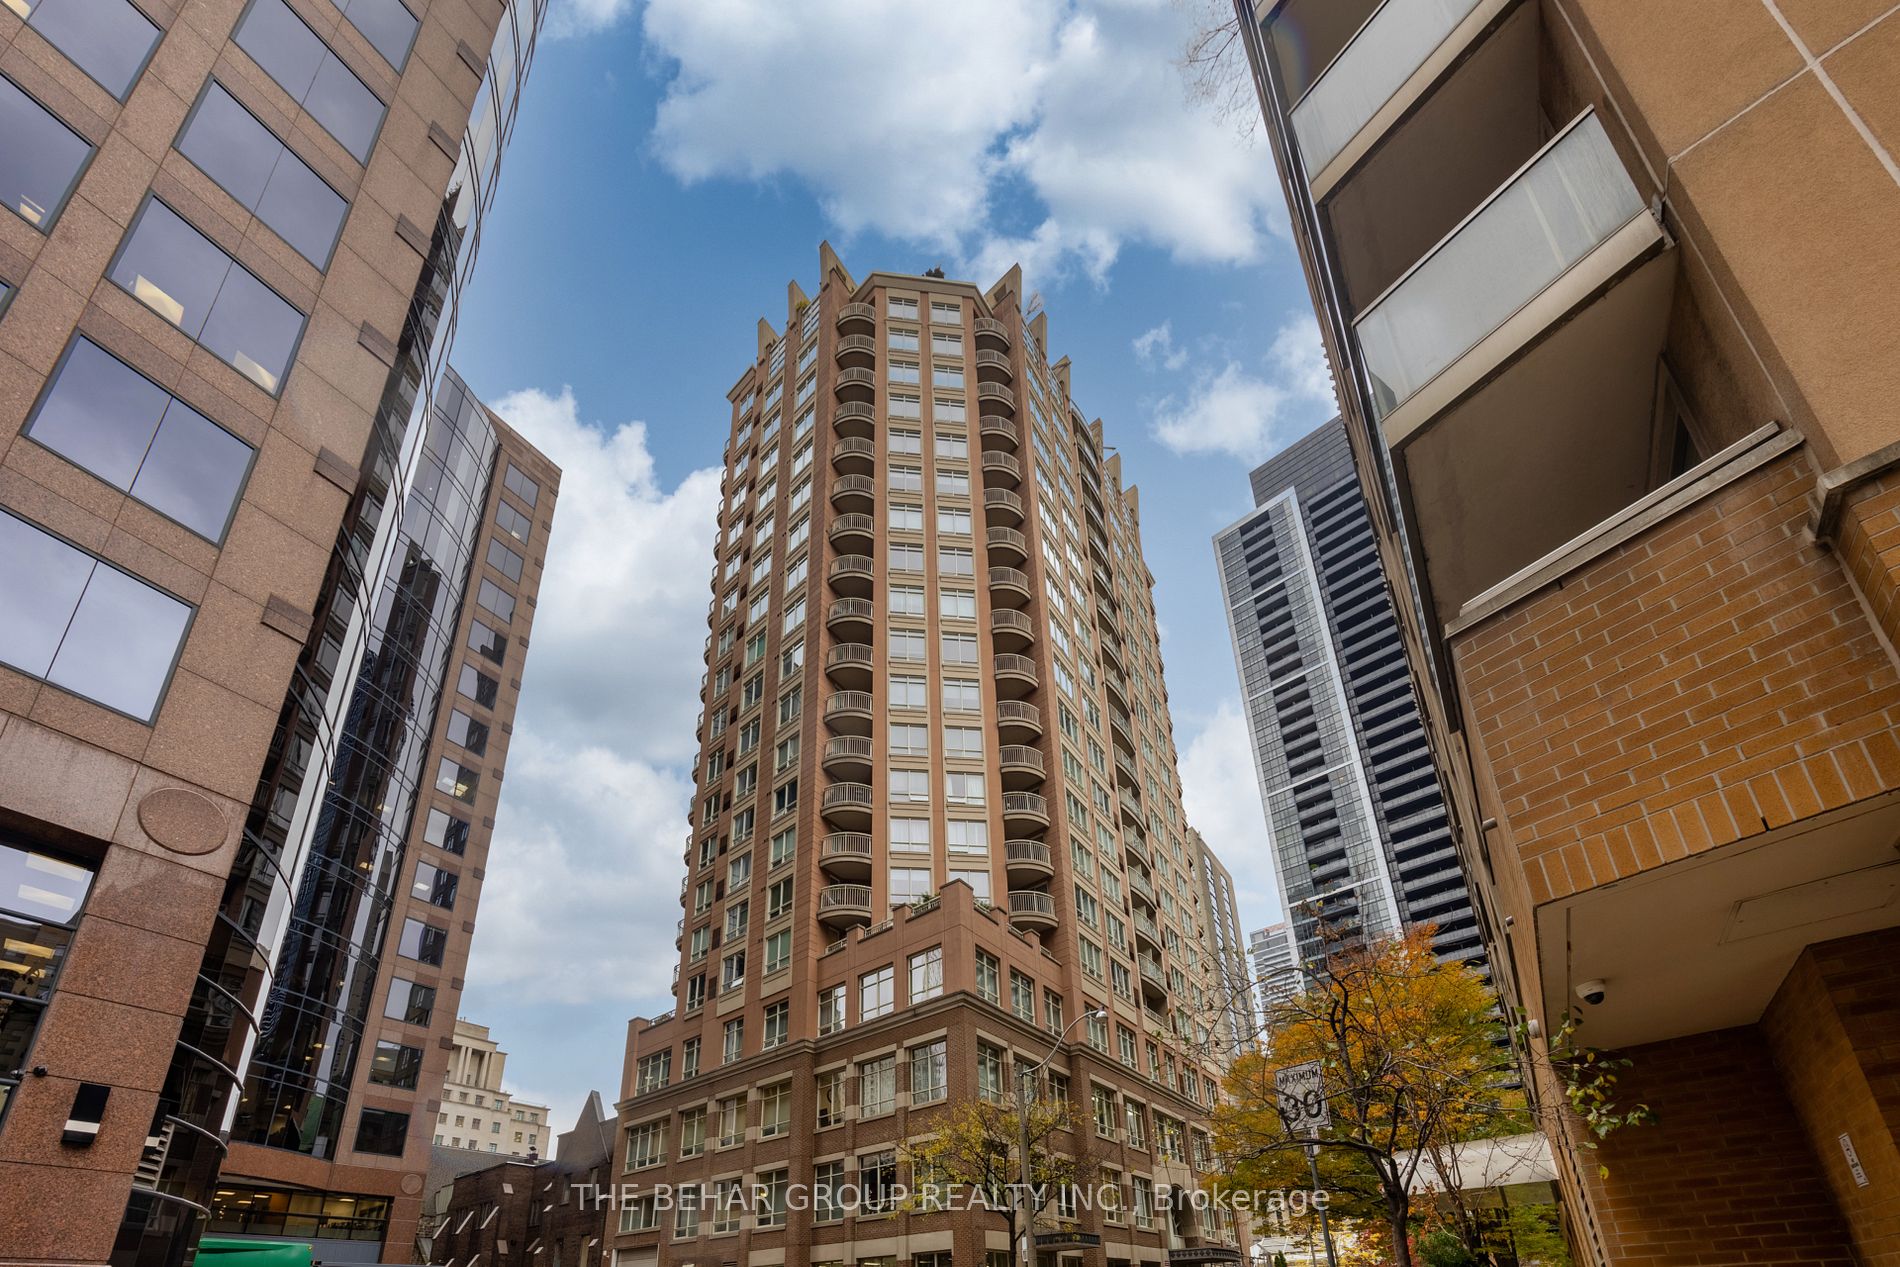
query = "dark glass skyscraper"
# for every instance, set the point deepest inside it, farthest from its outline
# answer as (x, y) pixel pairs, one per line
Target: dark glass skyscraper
(1360, 837)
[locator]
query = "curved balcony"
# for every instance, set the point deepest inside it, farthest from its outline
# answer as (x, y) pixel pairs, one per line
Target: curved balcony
(1119, 731)
(1154, 982)
(1024, 812)
(995, 365)
(851, 575)
(846, 855)
(856, 383)
(1125, 774)
(852, 533)
(849, 617)
(1116, 688)
(849, 665)
(849, 712)
(1021, 766)
(1032, 910)
(846, 805)
(855, 418)
(1142, 889)
(854, 455)
(1018, 721)
(1130, 808)
(1145, 931)
(844, 905)
(998, 394)
(990, 328)
(859, 317)
(1007, 544)
(1136, 848)
(1016, 676)
(1028, 861)
(1008, 587)
(854, 492)
(855, 349)
(1000, 431)
(1000, 506)
(849, 757)
(1011, 630)
(1002, 468)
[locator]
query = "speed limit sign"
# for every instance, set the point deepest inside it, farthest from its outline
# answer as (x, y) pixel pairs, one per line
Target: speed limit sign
(1302, 1101)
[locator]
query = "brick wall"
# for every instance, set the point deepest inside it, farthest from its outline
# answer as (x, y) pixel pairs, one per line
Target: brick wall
(1725, 1177)
(1870, 548)
(1707, 680)
(1834, 1029)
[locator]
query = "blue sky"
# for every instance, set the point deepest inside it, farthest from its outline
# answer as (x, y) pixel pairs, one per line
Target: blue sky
(675, 164)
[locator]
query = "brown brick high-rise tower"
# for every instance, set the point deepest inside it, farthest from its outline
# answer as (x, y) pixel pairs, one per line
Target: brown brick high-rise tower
(938, 820)
(1611, 292)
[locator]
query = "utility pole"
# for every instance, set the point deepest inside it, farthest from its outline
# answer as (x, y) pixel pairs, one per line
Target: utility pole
(1026, 1202)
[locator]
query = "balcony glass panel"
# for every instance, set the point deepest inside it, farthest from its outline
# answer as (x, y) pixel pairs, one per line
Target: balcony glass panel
(1552, 214)
(1394, 42)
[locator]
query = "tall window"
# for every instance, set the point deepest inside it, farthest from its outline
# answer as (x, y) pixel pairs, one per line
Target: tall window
(877, 1086)
(42, 159)
(926, 974)
(876, 993)
(929, 1073)
(233, 147)
(303, 65)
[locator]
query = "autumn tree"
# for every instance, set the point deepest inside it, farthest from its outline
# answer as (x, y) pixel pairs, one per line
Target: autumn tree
(975, 1148)
(1412, 1061)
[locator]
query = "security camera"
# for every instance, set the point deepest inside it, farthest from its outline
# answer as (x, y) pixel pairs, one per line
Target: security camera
(1592, 992)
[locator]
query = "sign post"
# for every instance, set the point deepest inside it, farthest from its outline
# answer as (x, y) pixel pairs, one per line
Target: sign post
(1303, 1108)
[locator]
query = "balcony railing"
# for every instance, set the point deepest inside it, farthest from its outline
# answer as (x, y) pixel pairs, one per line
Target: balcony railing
(1394, 42)
(1565, 203)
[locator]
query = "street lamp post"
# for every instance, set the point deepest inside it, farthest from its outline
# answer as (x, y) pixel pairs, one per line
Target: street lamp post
(1025, 1200)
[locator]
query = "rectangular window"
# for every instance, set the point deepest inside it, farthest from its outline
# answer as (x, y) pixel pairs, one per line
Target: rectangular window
(445, 831)
(408, 1002)
(988, 980)
(778, 950)
(513, 522)
(926, 974)
(504, 560)
(877, 1086)
(468, 733)
(302, 64)
(962, 697)
(394, 1065)
(830, 1085)
(989, 1073)
(778, 1019)
(101, 414)
(434, 885)
(1022, 996)
(83, 625)
(910, 835)
(486, 642)
(521, 486)
(452, 778)
(422, 942)
(108, 39)
(733, 1042)
(388, 25)
(692, 1132)
(41, 160)
(909, 692)
(186, 278)
(382, 1132)
(877, 993)
(472, 683)
(233, 147)
(967, 836)
(831, 1009)
(929, 1073)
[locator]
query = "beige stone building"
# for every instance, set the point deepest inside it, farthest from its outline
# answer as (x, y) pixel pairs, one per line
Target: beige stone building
(478, 1113)
(1611, 293)
(242, 498)
(937, 841)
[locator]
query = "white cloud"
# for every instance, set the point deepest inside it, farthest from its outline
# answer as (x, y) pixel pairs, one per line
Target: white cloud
(1156, 346)
(1238, 412)
(919, 121)
(593, 821)
(1220, 791)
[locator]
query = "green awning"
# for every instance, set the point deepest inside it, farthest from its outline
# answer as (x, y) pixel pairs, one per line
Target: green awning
(230, 1251)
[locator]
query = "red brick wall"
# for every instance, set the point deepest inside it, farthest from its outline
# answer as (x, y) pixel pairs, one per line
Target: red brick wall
(1870, 548)
(1834, 1028)
(1726, 1176)
(1709, 679)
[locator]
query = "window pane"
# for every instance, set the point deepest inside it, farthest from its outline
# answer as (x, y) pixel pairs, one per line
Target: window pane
(386, 24)
(382, 1132)
(292, 54)
(171, 267)
(41, 579)
(504, 560)
(232, 147)
(194, 471)
(184, 277)
(99, 413)
(395, 1065)
(108, 39)
(40, 157)
(120, 645)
